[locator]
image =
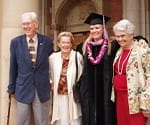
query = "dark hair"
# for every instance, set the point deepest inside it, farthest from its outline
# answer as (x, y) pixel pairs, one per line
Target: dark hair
(139, 37)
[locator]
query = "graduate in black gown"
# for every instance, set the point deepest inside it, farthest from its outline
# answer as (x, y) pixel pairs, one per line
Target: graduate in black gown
(97, 107)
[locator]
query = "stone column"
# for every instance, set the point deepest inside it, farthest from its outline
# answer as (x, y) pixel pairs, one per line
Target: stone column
(147, 22)
(134, 11)
(11, 11)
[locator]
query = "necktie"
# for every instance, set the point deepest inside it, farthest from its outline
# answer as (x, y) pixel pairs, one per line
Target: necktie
(32, 51)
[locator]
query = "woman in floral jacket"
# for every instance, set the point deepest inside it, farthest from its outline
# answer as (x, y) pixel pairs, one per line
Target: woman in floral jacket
(131, 77)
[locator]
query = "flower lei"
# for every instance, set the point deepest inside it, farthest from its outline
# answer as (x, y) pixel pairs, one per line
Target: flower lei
(101, 53)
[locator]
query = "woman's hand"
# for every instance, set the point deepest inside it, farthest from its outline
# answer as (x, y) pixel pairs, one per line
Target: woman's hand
(143, 43)
(146, 113)
(51, 86)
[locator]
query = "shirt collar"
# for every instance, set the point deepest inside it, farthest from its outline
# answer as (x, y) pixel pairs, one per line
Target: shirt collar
(34, 38)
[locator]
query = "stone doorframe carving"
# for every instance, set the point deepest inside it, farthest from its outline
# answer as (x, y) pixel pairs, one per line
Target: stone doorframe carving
(70, 14)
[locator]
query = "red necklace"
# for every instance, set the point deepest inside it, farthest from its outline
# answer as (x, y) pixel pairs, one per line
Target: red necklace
(101, 53)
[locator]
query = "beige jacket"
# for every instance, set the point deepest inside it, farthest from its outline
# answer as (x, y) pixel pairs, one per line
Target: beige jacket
(138, 78)
(55, 71)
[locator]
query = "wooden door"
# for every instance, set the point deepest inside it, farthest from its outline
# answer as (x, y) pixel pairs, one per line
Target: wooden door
(79, 38)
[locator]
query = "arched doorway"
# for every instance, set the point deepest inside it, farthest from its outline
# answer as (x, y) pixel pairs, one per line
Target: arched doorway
(69, 15)
(73, 20)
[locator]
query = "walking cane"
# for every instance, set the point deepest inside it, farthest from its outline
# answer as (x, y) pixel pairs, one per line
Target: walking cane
(9, 105)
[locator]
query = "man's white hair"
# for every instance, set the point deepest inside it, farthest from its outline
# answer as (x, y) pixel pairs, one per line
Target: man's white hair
(33, 15)
(125, 25)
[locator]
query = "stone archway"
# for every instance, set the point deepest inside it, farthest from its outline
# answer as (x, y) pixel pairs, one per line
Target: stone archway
(70, 16)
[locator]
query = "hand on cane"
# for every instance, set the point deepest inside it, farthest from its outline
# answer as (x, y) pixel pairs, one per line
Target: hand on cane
(8, 115)
(9, 105)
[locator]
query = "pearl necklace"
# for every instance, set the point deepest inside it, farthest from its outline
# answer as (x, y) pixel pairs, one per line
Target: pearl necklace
(101, 53)
(121, 70)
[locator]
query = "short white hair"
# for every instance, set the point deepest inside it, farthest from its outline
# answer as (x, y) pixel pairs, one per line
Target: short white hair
(125, 25)
(33, 15)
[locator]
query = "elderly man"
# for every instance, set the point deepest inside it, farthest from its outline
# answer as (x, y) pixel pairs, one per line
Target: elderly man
(29, 72)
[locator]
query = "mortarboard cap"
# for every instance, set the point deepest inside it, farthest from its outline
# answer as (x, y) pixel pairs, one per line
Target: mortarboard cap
(95, 18)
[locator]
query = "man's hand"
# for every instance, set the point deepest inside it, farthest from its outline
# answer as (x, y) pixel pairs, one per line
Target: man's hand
(10, 95)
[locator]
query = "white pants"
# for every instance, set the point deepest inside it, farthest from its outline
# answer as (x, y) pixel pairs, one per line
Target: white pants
(40, 112)
(64, 112)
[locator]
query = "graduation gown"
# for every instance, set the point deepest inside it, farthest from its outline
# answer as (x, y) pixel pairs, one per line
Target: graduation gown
(97, 107)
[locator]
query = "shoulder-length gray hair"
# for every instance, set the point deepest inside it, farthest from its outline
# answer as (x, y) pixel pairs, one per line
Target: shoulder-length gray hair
(125, 25)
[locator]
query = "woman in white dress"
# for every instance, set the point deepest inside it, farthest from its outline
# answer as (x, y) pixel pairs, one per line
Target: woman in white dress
(62, 73)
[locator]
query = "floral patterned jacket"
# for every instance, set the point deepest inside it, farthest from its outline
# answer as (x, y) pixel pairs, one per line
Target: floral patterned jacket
(138, 78)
